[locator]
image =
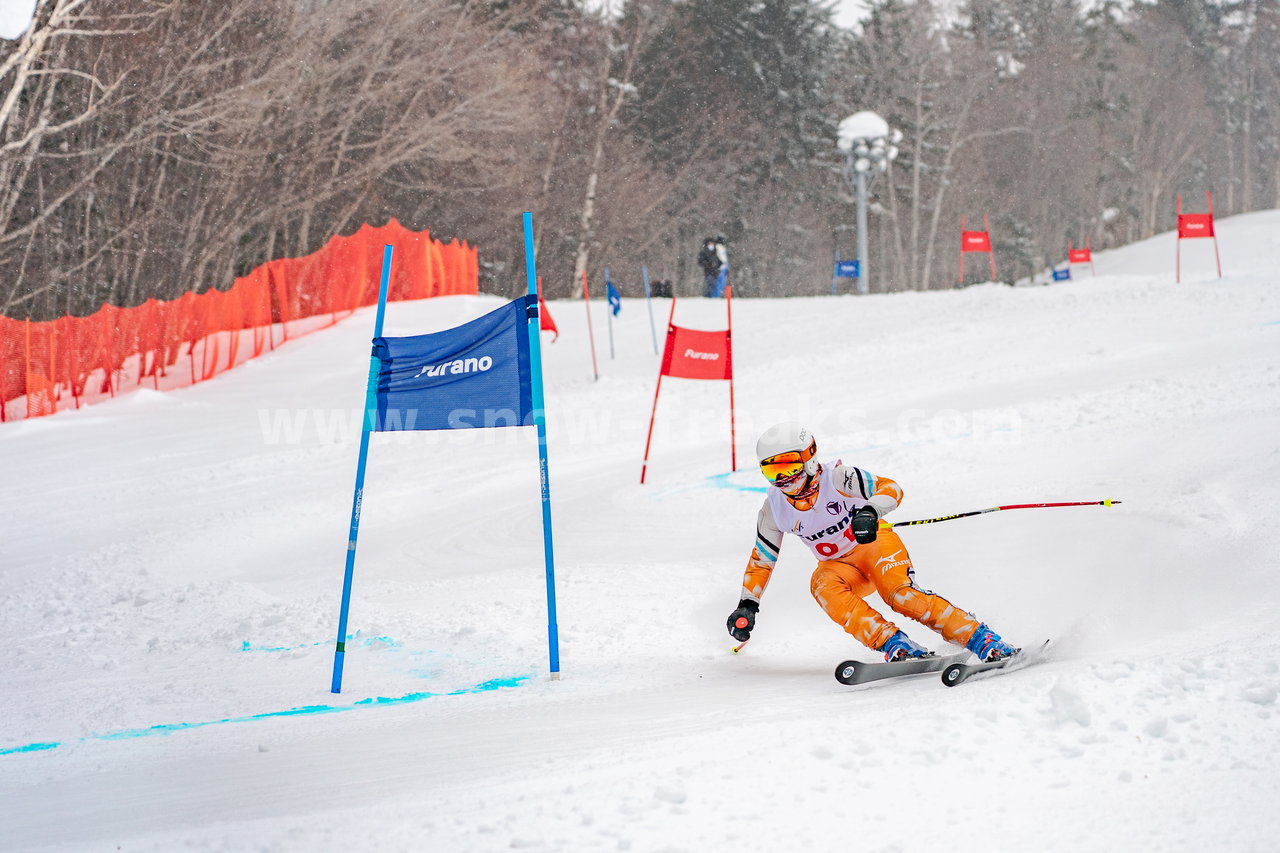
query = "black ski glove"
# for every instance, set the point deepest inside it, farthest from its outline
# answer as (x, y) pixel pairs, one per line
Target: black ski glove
(865, 522)
(742, 620)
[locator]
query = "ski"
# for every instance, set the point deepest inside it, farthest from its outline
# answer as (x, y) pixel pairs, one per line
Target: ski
(860, 672)
(958, 673)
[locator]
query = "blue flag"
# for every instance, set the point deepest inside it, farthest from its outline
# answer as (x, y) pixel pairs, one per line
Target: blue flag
(476, 375)
(615, 298)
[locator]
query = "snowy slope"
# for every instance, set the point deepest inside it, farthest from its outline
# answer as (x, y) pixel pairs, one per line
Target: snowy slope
(171, 569)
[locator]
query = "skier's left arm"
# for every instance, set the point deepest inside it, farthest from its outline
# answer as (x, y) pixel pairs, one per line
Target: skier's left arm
(881, 494)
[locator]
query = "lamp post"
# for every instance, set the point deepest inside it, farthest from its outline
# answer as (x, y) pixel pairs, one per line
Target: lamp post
(868, 146)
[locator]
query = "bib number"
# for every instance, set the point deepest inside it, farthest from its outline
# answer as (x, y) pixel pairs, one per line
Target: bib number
(828, 549)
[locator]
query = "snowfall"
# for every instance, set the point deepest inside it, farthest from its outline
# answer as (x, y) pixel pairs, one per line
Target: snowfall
(172, 566)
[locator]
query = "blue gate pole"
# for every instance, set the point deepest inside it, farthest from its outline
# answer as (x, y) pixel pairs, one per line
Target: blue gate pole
(540, 421)
(370, 424)
(653, 330)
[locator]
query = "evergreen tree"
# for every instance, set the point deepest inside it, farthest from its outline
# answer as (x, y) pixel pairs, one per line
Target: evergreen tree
(731, 67)
(744, 81)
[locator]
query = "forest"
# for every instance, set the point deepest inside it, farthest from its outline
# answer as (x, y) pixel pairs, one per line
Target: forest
(151, 147)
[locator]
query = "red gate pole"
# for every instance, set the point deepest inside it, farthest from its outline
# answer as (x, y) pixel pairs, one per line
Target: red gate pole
(960, 281)
(991, 250)
(1178, 263)
(665, 353)
(733, 439)
(653, 414)
(1209, 197)
(591, 338)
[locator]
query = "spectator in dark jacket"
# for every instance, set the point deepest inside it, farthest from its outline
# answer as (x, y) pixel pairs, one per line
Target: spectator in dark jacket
(709, 260)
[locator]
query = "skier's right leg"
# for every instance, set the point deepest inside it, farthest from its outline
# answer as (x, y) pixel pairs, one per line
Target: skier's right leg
(839, 589)
(886, 563)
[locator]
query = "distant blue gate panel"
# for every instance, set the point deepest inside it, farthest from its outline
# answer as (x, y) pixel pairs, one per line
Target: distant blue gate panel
(848, 269)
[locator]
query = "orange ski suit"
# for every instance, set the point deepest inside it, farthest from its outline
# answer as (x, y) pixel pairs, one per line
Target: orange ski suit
(842, 581)
(883, 566)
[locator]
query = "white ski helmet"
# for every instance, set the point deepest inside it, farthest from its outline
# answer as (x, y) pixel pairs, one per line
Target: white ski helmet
(786, 449)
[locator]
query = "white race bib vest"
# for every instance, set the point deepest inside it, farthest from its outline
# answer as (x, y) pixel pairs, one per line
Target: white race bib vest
(824, 528)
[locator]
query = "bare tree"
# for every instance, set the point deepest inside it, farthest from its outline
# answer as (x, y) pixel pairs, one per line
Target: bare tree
(613, 83)
(159, 146)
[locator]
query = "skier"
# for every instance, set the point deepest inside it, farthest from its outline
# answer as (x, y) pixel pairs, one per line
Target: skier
(837, 510)
(709, 260)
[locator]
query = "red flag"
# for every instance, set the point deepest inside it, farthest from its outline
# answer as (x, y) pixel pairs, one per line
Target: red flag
(545, 323)
(1079, 256)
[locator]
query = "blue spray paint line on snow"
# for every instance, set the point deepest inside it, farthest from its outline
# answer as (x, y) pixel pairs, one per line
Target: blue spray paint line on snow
(305, 710)
(724, 481)
(247, 646)
(716, 481)
(492, 684)
(31, 747)
(352, 640)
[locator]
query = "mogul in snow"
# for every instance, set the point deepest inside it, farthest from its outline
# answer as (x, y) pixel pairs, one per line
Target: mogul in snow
(838, 510)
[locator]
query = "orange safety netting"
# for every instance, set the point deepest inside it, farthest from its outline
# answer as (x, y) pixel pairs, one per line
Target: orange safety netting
(169, 344)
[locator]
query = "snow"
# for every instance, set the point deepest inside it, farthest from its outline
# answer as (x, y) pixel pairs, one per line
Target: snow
(15, 17)
(850, 13)
(172, 567)
(860, 126)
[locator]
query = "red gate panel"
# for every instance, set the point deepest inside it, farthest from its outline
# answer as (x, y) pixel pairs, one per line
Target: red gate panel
(695, 354)
(1192, 225)
(975, 241)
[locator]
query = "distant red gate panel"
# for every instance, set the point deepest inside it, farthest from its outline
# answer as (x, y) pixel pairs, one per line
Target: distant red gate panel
(975, 241)
(1191, 225)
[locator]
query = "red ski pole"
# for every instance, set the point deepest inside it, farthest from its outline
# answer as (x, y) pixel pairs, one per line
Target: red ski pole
(1107, 502)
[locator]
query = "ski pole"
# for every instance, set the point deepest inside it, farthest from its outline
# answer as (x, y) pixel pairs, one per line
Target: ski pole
(740, 623)
(1107, 502)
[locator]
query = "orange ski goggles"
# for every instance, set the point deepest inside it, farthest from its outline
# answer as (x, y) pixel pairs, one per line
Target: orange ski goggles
(783, 466)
